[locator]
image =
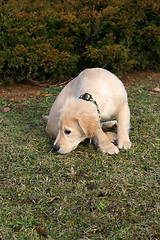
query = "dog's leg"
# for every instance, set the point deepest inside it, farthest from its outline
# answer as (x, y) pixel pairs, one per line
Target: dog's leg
(111, 136)
(52, 128)
(123, 119)
(109, 124)
(103, 143)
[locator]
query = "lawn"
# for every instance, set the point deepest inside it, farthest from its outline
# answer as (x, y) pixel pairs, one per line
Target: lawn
(84, 194)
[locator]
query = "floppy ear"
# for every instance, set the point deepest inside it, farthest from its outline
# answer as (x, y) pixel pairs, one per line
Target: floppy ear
(88, 124)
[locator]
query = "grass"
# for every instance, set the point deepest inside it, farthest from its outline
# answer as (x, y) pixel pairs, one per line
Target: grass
(84, 194)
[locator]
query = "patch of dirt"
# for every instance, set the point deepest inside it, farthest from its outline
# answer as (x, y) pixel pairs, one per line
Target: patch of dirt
(26, 90)
(138, 78)
(20, 91)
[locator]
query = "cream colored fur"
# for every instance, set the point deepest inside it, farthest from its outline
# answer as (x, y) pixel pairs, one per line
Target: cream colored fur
(71, 120)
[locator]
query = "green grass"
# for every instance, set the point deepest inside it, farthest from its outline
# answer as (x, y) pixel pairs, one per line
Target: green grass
(84, 194)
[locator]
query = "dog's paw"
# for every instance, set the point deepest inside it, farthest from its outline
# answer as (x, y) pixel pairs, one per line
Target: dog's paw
(124, 144)
(111, 136)
(109, 148)
(45, 117)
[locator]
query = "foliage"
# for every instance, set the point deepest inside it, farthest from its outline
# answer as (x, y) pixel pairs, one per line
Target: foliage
(56, 39)
(84, 194)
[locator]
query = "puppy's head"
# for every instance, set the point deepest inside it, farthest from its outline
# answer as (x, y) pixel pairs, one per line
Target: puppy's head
(78, 121)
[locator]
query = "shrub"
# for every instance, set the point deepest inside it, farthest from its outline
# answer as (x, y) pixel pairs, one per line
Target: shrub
(56, 39)
(112, 57)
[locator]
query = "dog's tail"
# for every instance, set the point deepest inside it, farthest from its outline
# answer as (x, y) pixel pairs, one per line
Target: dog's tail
(45, 118)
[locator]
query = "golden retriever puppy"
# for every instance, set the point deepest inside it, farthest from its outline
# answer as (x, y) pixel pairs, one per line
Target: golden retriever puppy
(95, 95)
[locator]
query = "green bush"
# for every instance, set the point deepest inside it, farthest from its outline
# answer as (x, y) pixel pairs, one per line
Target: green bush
(56, 39)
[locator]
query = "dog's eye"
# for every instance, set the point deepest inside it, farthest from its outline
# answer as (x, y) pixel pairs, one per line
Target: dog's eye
(67, 132)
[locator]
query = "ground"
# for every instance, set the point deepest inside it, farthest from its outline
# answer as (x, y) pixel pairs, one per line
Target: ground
(83, 195)
(26, 90)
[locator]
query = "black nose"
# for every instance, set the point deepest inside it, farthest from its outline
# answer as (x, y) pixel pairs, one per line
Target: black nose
(56, 147)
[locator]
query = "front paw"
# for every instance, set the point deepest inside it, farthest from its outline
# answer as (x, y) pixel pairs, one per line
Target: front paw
(109, 148)
(126, 144)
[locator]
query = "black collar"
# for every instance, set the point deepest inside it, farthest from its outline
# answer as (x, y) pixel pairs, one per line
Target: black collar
(88, 97)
